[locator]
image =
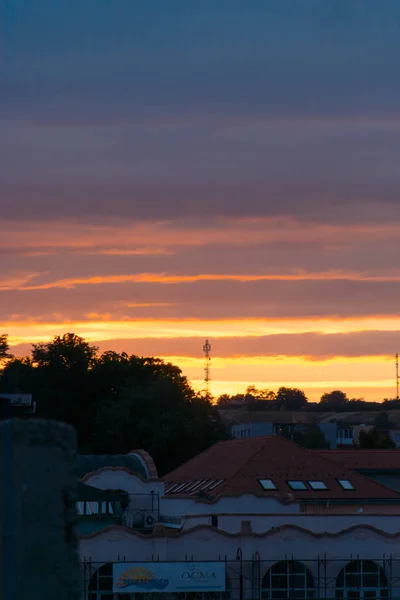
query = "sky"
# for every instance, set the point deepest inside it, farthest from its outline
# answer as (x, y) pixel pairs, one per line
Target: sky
(172, 171)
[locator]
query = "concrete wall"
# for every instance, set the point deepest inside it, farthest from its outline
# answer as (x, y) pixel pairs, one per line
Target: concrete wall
(245, 505)
(38, 543)
(205, 544)
(314, 523)
(244, 430)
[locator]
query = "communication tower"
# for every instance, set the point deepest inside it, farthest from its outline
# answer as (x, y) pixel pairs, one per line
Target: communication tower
(207, 366)
(397, 376)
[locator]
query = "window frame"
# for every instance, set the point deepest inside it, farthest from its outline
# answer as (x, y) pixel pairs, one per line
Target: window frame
(344, 487)
(282, 579)
(268, 489)
(317, 481)
(297, 489)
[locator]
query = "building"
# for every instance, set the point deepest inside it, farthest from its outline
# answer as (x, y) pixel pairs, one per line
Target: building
(341, 430)
(256, 424)
(16, 405)
(251, 518)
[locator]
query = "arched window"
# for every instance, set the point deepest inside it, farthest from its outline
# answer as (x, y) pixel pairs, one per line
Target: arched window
(288, 579)
(101, 584)
(361, 580)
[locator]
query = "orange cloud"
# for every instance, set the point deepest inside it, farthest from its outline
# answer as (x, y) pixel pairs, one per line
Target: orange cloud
(28, 330)
(18, 281)
(126, 252)
(164, 278)
(164, 234)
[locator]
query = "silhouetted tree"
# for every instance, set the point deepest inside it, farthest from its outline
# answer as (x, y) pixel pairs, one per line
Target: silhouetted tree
(224, 401)
(115, 401)
(263, 395)
(291, 399)
(310, 436)
(335, 400)
(253, 398)
(383, 422)
(18, 376)
(4, 347)
(375, 439)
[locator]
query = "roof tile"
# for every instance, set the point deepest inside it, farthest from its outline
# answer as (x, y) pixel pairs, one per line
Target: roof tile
(241, 463)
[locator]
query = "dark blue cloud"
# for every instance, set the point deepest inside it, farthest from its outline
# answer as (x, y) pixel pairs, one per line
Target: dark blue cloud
(70, 60)
(170, 82)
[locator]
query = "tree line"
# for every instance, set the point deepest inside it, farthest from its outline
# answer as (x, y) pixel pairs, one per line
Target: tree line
(287, 398)
(116, 402)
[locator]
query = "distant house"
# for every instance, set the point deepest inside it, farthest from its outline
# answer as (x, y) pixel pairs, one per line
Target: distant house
(341, 430)
(256, 424)
(16, 405)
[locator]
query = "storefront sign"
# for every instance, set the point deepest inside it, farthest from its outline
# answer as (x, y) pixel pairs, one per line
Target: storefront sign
(169, 577)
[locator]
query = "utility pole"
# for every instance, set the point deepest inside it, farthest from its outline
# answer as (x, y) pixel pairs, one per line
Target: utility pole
(397, 376)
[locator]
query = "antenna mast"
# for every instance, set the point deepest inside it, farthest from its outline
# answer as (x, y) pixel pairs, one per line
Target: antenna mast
(207, 367)
(397, 376)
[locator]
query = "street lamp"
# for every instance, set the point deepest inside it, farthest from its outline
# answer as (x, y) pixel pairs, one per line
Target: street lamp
(239, 556)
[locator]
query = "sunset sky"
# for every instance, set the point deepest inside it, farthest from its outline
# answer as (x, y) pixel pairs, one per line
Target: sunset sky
(172, 171)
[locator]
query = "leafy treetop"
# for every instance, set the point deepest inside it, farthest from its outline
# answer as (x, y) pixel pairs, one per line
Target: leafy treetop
(116, 402)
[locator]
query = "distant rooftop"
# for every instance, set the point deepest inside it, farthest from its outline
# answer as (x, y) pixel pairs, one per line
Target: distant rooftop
(272, 466)
(364, 459)
(242, 415)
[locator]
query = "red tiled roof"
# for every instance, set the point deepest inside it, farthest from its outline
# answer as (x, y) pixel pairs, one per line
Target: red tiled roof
(364, 459)
(238, 465)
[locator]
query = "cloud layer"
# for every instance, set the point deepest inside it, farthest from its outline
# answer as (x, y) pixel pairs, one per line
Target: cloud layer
(211, 171)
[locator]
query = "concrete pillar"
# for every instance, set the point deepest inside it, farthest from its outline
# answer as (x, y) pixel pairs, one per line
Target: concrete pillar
(38, 544)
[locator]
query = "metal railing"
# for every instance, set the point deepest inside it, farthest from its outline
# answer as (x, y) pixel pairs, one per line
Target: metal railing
(321, 579)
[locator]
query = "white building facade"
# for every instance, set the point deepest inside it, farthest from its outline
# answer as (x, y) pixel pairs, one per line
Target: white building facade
(245, 532)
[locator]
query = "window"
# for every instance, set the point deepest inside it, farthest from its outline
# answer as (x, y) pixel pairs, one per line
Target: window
(214, 520)
(347, 434)
(287, 579)
(101, 584)
(267, 484)
(181, 486)
(361, 580)
(92, 508)
(346, 485)
(297, 485)
(317, 485)
(215, 484)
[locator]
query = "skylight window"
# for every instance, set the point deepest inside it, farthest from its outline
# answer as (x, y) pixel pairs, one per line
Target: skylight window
(317, 485)
(267, 484)
(297, 485)
(346, 484)
(180, 487)
(214, 485)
